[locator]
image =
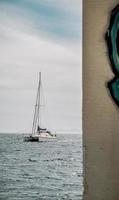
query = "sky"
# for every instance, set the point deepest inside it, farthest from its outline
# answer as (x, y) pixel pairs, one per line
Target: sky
(41, 36)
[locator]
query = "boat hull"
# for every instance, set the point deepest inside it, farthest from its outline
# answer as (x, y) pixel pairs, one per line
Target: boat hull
(39, 137)
(31, 139)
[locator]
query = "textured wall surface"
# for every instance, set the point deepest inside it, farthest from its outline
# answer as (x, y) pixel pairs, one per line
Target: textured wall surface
(100, 114)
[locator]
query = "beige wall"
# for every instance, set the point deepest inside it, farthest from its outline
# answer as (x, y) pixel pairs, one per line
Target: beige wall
(100, 115)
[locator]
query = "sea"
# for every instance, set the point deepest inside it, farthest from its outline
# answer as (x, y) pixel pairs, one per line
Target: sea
(49, 170)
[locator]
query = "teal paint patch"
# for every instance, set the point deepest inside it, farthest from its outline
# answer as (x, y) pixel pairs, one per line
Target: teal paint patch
(115, 89)
(112, 38)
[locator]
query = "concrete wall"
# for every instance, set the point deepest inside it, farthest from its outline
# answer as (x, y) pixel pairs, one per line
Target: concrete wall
(100, 115)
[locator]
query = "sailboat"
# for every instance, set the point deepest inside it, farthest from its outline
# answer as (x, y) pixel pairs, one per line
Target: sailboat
(38, 133)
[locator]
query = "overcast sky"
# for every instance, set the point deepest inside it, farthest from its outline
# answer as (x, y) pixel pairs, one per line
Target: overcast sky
(40, 35)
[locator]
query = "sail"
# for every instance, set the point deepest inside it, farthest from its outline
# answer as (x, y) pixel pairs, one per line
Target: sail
(38, 128)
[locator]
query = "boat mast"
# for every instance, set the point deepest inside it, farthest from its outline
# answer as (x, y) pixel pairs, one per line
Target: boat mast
(37, 108)
(38, 122)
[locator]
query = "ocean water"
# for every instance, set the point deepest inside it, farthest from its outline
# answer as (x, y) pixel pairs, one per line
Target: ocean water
(50, 170)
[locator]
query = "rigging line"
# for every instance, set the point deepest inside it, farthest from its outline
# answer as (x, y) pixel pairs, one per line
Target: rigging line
(43, 106)
(43, 95)
(36, 113)
(38, 104)
(36, 121)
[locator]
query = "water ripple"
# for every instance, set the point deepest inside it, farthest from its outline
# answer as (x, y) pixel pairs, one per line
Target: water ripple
(41, 171)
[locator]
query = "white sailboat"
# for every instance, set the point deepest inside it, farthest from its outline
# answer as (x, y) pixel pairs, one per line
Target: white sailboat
(38, 133)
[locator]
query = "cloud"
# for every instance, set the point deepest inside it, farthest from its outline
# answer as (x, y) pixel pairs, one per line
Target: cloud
(51, 18)
(23, 53)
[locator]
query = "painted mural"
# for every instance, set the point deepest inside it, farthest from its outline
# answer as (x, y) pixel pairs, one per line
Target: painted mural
(112, 38)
